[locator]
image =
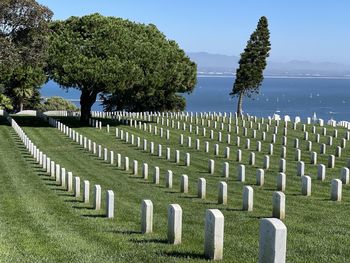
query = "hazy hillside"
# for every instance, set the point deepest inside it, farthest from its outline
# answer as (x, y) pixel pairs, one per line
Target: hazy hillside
(223, 64)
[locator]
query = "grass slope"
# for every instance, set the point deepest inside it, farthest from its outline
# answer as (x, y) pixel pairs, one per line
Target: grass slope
(54, 226)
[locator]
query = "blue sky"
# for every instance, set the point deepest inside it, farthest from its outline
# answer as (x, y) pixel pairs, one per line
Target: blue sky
(315, 30)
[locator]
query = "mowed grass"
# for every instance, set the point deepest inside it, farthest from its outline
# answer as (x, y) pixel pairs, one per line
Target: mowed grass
(40, 222)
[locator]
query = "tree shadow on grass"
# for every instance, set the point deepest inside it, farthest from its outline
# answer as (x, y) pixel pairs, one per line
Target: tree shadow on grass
(94, 215)
(234, 209)
(72, 201)
(66, 194)
(125, 232)
(56, 189)
(189, 196)
(83, 207)
(184, 255)
(260, 217)
(270, 189)
(134, 177)
(210, 203)
(31, 121)
(153, 240)
(171, 192)
(145, 182)
(50, 182)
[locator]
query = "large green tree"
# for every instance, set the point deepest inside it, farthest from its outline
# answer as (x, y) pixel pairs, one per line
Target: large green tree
(249, 74)
(57, 103)
(116, 58)
(23, 48)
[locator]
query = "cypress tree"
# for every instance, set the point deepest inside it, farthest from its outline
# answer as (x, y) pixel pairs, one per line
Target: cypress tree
(249, 74)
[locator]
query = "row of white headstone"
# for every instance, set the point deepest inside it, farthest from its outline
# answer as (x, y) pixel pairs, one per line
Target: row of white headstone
(222, 189)
(62, 177)
(300, 164)
(284, 142)
(188, 116)
(283, 152)
(272, 241)
(281, 178)
(214, 220)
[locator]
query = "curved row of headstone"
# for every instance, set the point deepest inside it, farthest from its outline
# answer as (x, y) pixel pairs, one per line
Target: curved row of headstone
(214, 219)
(254, 133)
(222, 189)
(247, 197)
(284, 139)
(313, 155)
(62, 177)
(266, 162)
(280, 179)
(271, 229)
(188, 117)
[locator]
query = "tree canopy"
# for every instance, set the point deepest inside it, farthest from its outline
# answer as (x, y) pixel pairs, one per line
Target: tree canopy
(249, 75)
(23, 46)
(117, 58)
(57, 103)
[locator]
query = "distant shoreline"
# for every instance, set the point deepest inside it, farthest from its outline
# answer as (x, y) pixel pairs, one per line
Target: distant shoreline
(275, 77)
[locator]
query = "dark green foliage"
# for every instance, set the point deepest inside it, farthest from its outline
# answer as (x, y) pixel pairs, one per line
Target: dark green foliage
(34, 101)
(110, 55)
(135, 101)
(57, 103)
(23, 48)
(5, 102)
(249, 75)
(23, 84)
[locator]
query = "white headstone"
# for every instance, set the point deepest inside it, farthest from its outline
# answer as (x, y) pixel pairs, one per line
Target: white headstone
(222, 196)
(169, 179)
(214, 234)
(331, 161)
(248, 197)
(344, 175)
(97, 197)
(184, 184)
(272, 241)
(174, 224)
(279, 205)
(211, 166)
(336, 190)
(146, 216)
(266, 165)
(306, 185)
(145, 171)
(201, 188)
(86, 195)
(260, 175)
(300, 168)
(156, 175)
(110, 204)
(281, 182)
(241, 172)
(76, 186)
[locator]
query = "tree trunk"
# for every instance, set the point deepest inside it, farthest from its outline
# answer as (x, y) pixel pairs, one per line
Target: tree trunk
(239, 105)
(87, 99)
(20, 105)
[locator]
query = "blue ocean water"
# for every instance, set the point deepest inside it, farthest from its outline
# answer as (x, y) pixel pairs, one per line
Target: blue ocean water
(329, 98)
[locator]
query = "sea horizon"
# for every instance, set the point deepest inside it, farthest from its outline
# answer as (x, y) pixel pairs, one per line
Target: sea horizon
(293, 96)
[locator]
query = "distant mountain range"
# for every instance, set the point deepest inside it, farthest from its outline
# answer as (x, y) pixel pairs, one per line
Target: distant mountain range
(216, 64)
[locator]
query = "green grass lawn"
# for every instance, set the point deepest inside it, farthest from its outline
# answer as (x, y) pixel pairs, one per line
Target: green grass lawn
(40, 222)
